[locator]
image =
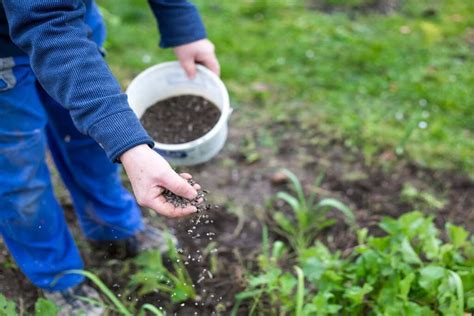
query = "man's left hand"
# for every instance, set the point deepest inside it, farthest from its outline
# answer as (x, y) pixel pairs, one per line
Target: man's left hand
(198, 52)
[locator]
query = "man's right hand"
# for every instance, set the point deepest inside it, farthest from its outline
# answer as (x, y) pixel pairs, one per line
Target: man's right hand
(150, 174)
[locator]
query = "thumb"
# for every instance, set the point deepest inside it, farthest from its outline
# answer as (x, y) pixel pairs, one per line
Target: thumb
(189, 67)
(179, 186)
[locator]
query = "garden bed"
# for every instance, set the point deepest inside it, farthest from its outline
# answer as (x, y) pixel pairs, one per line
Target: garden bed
(243, 178)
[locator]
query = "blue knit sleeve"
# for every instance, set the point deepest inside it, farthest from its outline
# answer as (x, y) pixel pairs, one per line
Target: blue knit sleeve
(178, 21)
(71, 69)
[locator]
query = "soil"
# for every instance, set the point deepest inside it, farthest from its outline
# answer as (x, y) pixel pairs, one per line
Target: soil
(230, 236)
(230, 243)
(180, 119)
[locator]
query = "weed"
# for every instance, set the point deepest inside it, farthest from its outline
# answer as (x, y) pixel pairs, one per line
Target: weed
(249, 150)
(152, 276)
(309, 215)
(421, 199)
(408, 271)
(45, 308)
(7, 307)
(274, 287)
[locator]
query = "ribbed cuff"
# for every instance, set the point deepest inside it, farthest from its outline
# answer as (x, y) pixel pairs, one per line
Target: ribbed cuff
(180, 27)
(119, 132)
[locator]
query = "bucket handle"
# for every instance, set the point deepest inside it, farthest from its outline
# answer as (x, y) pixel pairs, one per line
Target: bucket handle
(229, 113)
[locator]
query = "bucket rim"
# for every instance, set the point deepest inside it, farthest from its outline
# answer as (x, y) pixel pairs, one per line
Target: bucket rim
(226, 110)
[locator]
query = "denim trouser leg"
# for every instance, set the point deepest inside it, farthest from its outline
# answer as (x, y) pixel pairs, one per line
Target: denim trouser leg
(31, 220)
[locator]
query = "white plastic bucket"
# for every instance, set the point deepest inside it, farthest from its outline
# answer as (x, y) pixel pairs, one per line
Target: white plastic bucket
(168, 80)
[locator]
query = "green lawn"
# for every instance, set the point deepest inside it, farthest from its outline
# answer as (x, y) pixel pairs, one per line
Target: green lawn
(402, 83)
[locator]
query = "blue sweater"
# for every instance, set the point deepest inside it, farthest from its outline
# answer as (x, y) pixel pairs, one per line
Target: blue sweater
(62, 39)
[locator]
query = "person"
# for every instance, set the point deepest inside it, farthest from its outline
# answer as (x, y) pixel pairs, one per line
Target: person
(56, 89)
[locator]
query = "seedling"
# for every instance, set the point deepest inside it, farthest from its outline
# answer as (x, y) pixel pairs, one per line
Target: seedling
(152, 275)
(309, 215)
(408, 271)
(7, 307)
(282, 291)
(421, 199)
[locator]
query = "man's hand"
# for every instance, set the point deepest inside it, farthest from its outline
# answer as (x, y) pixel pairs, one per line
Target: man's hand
(198, 52)
(150, 174)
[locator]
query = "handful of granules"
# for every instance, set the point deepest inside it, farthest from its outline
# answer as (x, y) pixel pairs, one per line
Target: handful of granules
(182, 202)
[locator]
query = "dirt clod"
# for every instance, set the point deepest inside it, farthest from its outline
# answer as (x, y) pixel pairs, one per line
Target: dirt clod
(278, 177)
(180, 119)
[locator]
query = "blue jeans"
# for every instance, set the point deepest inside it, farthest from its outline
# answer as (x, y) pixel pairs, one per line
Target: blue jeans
(32, 222)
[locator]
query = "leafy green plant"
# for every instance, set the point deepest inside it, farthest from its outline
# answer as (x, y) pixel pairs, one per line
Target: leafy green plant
(45, 308)
(152, 276)
(309, 215)
(409, 271)
(7, 307)
(421, 199)
(42, 307)
(281, 291)
(249, 150)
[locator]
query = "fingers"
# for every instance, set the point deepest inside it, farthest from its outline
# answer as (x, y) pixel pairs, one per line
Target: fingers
(210, 61)
(187, 176)
(160, 205)
(200, 51)
(156, 201)
(189, 67)
(179, 186)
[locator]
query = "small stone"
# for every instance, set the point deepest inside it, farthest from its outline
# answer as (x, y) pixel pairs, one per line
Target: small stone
(278, 177)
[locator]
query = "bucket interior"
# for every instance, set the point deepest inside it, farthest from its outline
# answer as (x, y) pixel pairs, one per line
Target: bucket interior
(169, 80)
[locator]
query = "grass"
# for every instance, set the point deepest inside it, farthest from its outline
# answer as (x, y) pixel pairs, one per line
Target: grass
(400, 83)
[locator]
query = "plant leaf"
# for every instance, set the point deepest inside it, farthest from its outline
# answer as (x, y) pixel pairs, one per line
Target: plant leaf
(291, 200)
(405, 286)
(430, 277)
(456, 282)
(150, 308)
(7, 307)
(408, 253)
(284, 223)
(278, 249)
(299, 292)
(296, 184)
(45, 308)
(356, 293)
(457, 235)
(338, 205)
(247, 294)
(104, 289)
